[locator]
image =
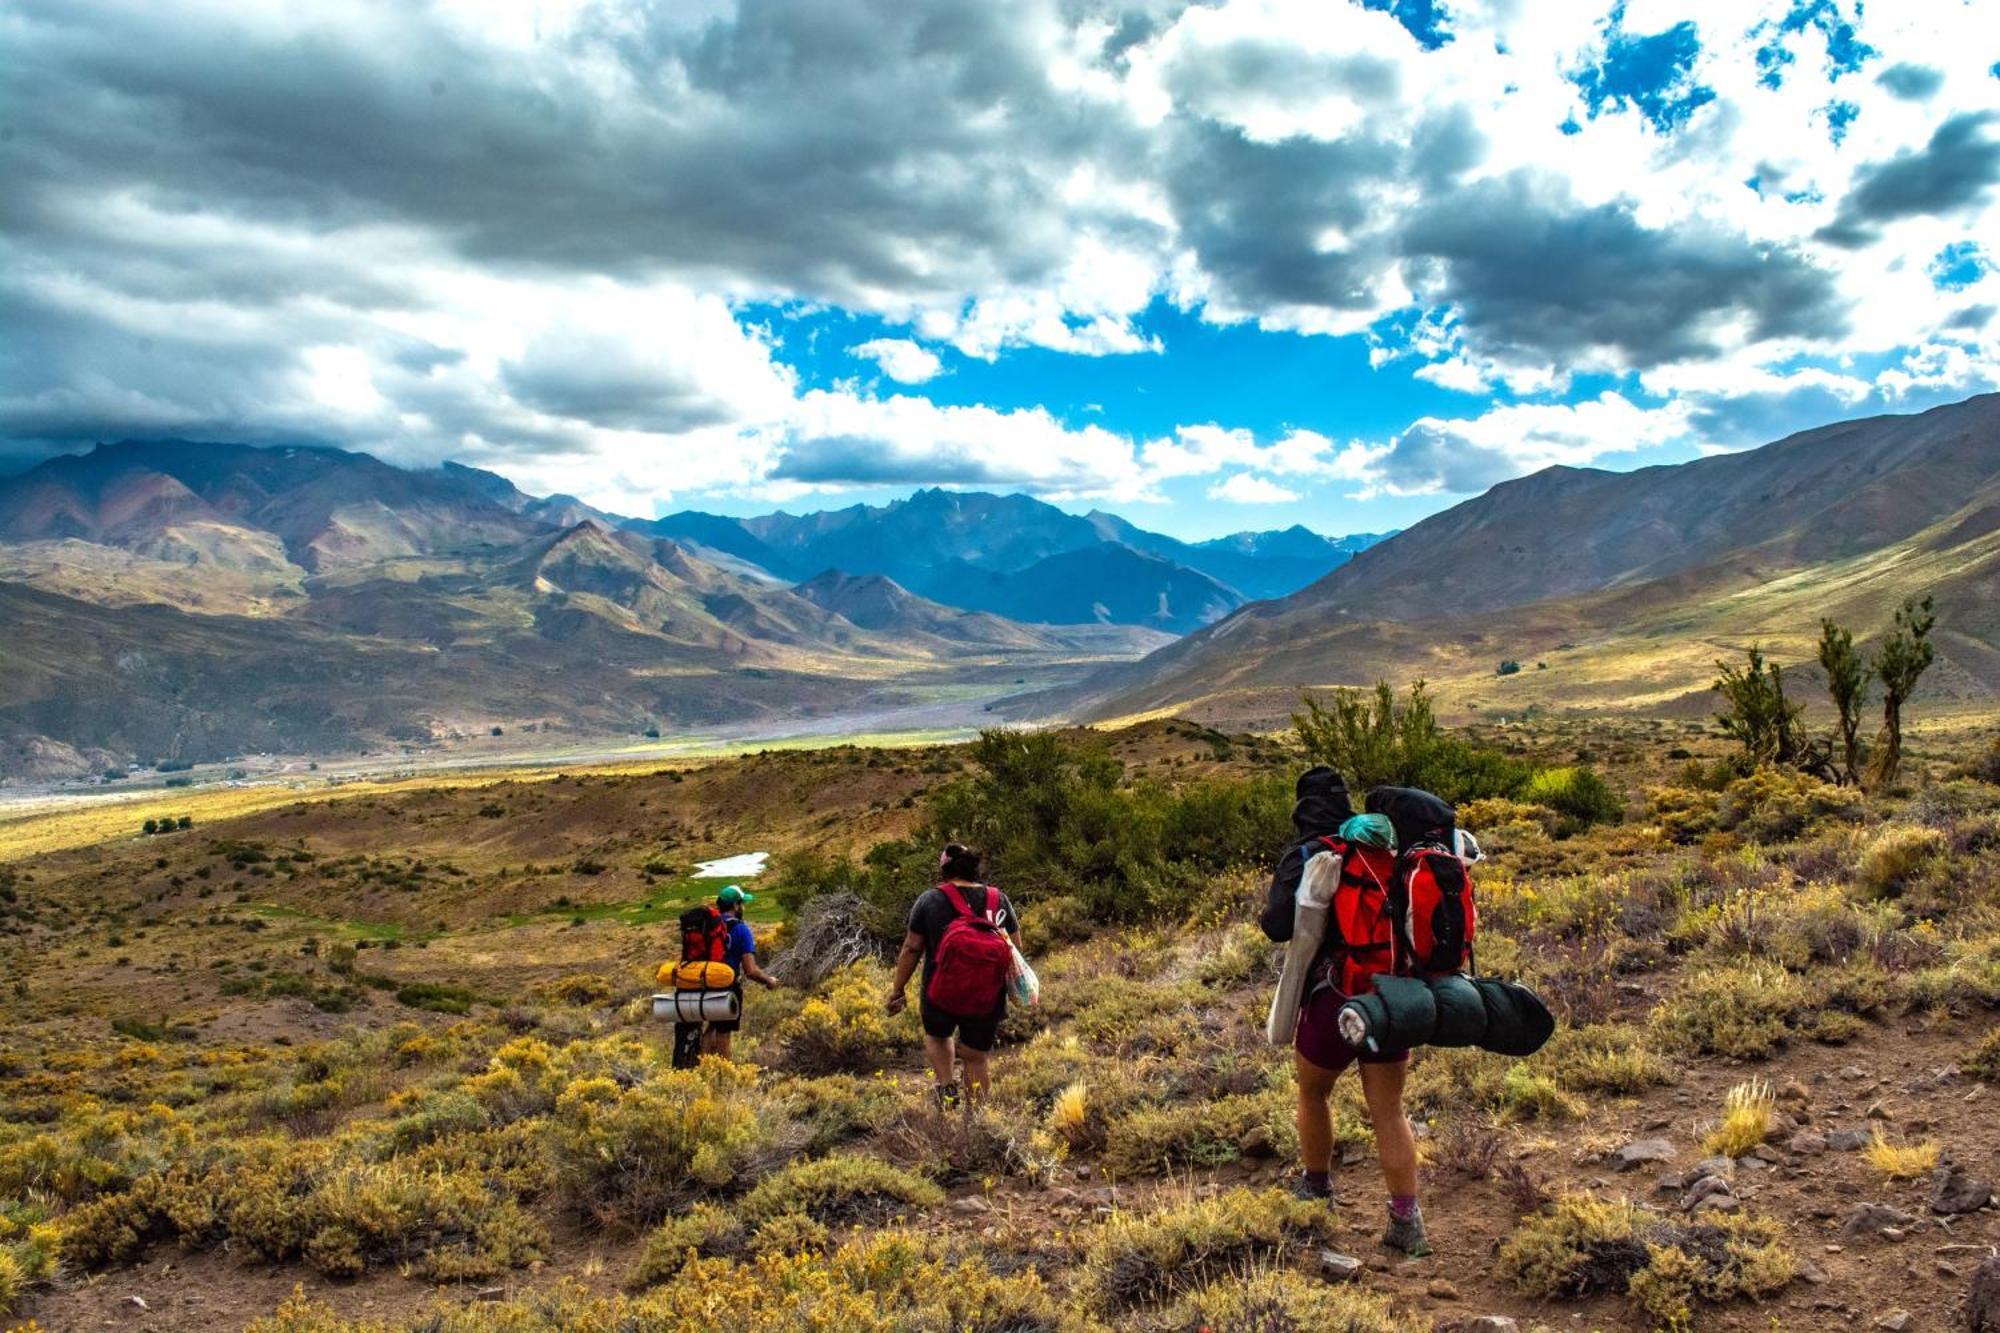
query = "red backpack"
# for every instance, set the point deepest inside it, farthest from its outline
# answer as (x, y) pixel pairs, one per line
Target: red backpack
(1411, 914)
(704, 935)
(1430, 901)
(1361, 913)
(973, 957)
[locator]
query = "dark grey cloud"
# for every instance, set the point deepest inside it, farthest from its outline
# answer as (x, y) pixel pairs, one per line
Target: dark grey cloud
(1257, 214)
(601, 380)
(1951, 172)
(1431, 457)
(848, 460)
(1254, 213)
(824, 149)
(1912, 83)
(1540, 278)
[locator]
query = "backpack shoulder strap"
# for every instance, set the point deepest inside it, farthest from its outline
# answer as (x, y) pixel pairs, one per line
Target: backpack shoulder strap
(957, 899)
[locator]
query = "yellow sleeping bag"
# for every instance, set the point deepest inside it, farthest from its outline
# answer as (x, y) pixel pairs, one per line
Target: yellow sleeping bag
(697, 976)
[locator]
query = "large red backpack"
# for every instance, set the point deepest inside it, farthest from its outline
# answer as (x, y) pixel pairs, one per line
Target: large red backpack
(970, 974)
(1361, 913)
(1436, 919)
(1411, 914)
(704, 935)
(1430, 897)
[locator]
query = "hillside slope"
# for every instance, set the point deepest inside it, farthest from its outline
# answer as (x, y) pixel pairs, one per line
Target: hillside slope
(1623, 588)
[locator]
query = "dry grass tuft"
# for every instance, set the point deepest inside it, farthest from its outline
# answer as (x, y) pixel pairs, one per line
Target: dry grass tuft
(1746, 1119)
(1902, 1161)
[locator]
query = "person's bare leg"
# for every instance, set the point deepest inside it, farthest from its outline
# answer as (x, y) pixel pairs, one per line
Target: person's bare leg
(1395, 1143)
(1396, 1146)
(1315, 1115)
(978, 1071)
(941, 1053)
(722, 1044)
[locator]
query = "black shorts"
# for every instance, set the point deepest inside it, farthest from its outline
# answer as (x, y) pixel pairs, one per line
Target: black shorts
(733, 1024)
(974, 1033)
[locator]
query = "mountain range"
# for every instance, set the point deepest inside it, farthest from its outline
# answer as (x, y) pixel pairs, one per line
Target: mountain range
(1021, 558)
(184, 600)
(1622, 589)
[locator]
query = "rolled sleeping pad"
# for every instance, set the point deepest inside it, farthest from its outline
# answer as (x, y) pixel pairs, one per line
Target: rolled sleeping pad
(699, 1006)
(1310, 909)
(1461, 1011)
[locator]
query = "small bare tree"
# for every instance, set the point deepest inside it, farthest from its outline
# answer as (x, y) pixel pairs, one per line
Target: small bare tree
(1847, 682)
(1906, 653)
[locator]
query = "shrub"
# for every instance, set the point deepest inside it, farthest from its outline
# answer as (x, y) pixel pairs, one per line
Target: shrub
(1279, 1300)
(889, 1283)
(704, 1231)
(1902, 1161)
(1897, 856)
(1742, 1012)
(844, 1028)
(1577, 794)
(629, 1155)
(1581, 1245)
(1603, 1058)
(1160, 1138)
(585, 989)
(436, 997)
(1528, 1094)
(841, 1190)
(1983, 1062)
(1773, 805)
(1138, 1259)
(1984, 766)
(1746, 1119)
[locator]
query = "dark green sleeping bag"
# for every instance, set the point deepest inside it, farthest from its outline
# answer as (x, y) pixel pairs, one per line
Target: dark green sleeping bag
(1461, 1012)
(1404, 1012)
(1517, 1022)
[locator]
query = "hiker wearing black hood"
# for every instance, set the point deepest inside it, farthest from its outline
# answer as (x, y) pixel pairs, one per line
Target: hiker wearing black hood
(1319, 1053)
(1321, 809)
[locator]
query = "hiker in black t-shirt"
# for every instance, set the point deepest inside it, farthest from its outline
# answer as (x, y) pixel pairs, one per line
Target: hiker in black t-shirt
(950, 1035)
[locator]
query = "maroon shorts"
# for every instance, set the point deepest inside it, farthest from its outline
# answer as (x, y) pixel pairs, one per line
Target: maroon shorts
(1319, 1039)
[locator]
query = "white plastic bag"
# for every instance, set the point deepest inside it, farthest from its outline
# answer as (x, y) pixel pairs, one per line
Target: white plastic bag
(1022, 983)
(1314, 899)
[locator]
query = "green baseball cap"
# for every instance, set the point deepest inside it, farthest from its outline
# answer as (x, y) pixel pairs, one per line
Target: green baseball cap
(733, 897)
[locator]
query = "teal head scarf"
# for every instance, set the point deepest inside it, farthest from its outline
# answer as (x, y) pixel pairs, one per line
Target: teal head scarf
(1370, 831)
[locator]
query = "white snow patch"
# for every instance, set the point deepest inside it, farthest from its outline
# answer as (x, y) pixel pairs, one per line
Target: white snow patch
(742, 866)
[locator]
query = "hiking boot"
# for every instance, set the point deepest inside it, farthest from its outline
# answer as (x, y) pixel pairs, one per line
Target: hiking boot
(1302, 1188)
(1407, 1234)
(947, 1096)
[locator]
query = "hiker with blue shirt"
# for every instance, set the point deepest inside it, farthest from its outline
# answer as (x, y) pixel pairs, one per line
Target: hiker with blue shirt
(741, 954)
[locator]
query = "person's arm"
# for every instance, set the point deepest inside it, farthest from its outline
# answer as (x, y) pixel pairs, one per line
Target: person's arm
(906, 966)
(1280, 906)
(756, 973)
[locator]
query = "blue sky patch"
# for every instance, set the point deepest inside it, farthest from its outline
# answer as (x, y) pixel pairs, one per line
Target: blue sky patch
(1425, 19)
(1845, 51)
(1958, 266)
(1839, 115)
(1649, 73)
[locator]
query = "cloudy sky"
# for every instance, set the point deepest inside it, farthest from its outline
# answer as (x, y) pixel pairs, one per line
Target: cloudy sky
(1214, 266)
